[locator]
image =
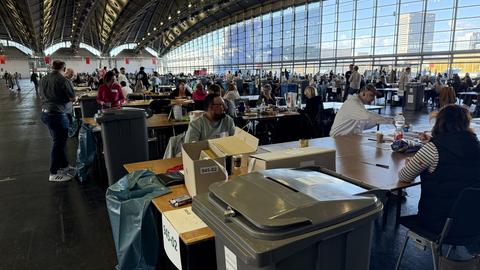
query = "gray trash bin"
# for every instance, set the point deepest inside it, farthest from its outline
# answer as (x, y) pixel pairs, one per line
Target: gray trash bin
(124, 136)
(414, 96)
(289, 219)
(88, 106)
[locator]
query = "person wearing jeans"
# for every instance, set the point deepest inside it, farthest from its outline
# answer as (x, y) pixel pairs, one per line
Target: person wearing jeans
(57, 94)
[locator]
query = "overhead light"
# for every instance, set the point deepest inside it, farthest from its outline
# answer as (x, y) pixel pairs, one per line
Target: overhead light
(161, 23)
(143, 38)
(189, 5)
(148, 34)
(154, 29)
(178, 11)
(169, 17)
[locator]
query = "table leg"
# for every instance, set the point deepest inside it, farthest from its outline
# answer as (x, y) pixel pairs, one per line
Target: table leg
(385, 209)
(399, 206)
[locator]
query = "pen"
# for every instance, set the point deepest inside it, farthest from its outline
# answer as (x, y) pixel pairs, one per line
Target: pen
(376, 164)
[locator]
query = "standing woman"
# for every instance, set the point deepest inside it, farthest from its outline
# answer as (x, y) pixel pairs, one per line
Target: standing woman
(110, 93)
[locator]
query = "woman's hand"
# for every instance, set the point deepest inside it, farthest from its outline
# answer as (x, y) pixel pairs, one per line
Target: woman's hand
(424, 137)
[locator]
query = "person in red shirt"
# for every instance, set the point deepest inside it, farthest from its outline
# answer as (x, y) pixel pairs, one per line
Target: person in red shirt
(110, 93)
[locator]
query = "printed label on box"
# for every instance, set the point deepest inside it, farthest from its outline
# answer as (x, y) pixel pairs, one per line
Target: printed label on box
(171, 243)
(410, 99)
(307, 163)
(207, 170)
(230, 260)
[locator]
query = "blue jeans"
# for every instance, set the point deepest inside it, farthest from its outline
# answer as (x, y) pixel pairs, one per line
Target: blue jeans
(58, 125)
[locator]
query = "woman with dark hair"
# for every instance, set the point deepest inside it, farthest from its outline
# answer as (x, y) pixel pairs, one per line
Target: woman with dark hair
(110, 93)
(181, 91)
(447, 164)
(199, 93)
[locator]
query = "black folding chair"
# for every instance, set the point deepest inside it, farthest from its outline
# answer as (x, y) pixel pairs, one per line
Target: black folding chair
(461, 228)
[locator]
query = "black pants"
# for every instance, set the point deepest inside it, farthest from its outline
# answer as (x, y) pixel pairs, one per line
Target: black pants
(58, 126)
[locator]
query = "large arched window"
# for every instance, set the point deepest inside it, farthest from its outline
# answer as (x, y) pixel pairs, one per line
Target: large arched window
(130, 46)
(9, 43)
(50, 50)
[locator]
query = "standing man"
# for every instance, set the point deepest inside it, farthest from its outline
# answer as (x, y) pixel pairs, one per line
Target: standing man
(122, 77)
(57, 94)
(347, 81)
(34, 80)
(402, 84)
(355, 80)
(142, 76)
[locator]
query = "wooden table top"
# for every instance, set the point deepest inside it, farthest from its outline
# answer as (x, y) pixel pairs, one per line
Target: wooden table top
(162, 203)
(352, 150)
(269, 116)
(157, 121)
(138, 103)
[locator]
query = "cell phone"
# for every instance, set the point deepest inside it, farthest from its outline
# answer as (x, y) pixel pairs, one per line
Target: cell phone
(181, 200)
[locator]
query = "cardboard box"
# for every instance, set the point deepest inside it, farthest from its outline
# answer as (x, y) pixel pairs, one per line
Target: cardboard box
(200, 173)
(294, 158)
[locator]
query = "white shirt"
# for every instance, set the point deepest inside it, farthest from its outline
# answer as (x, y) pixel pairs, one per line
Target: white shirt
(355, 80)
(126, 90)
(122, 78)
(231, 95)
(353, 118)
(404, 79)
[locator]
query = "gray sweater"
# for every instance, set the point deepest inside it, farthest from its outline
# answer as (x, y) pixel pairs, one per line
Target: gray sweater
(203, 129)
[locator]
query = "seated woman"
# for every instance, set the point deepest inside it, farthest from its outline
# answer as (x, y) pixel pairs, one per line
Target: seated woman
(199, 93)
(181, 91)
(110, 93)
(447, 164)
(232, 93)
(139, 87)
(266, 95)
(446, 96)
(314, 103)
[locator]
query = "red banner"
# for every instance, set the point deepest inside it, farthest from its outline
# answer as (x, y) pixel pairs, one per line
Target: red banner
(3, 59)
(47, 60)
(154, 61)
(87, 60)
(127, 61)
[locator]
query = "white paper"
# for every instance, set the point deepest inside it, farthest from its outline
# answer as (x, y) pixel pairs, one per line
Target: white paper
(409, 98)
(230, 260)
(171, 243)
(311, 181)
(184, 220)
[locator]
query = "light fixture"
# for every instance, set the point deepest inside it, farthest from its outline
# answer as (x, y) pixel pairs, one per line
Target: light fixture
(161, 23)
(148, 34)
(154, 29)
(190, 5)
(178, 11)
(169, 17)
(143, 38)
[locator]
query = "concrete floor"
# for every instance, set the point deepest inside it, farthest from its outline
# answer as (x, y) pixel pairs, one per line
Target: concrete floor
(47, 225)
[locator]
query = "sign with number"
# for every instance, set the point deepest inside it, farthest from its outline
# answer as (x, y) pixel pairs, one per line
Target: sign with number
(171, 243)
(207, 170)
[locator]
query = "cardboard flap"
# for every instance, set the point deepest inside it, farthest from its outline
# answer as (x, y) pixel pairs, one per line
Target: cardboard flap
(240, 143)
(277, 155)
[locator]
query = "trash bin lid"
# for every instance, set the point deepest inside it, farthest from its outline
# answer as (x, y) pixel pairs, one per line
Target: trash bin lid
(121, 114)
(278, 203)
(86, 97)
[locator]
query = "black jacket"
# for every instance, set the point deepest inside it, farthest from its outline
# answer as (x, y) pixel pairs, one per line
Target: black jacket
(458, 168)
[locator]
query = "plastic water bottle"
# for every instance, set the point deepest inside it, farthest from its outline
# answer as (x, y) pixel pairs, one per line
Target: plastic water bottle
(399, 124)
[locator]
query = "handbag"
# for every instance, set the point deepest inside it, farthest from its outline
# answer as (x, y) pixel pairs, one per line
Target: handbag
(445, 263)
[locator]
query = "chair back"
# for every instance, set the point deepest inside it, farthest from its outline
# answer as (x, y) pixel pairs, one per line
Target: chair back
(135, 97)
(464, 219)
(200, 105)
(160, 105)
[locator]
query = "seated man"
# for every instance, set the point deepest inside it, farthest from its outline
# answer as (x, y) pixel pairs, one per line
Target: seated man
(213, 124)
(353, 117)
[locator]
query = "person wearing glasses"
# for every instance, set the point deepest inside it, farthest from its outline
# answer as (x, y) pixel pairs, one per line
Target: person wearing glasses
(214, 123)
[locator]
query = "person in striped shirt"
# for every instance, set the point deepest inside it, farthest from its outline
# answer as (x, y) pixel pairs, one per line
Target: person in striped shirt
(447, 164)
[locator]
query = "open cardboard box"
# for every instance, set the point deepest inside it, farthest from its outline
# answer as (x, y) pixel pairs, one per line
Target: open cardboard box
(200, 173)
(294, 158)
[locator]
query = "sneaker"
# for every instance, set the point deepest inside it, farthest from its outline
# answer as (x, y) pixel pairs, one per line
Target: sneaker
(70, 171)
(59, 178)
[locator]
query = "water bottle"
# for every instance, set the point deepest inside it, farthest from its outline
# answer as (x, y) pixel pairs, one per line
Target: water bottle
(399, 124)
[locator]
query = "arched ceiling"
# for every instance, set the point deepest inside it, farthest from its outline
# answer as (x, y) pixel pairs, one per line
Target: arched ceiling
(105, 24)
